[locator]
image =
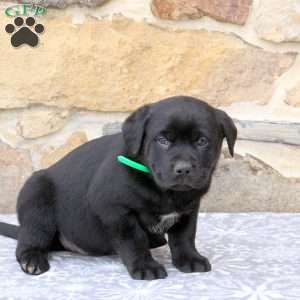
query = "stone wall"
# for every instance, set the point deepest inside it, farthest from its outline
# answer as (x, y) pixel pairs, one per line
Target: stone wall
(98, 60)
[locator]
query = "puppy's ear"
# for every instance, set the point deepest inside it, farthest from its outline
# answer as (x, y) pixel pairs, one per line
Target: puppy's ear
(133, 130)
(228, 128)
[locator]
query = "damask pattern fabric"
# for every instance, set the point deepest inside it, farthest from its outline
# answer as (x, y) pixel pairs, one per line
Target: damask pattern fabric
(254, 256)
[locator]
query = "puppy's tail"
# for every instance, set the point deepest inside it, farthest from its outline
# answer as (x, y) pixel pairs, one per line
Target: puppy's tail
(9, 230)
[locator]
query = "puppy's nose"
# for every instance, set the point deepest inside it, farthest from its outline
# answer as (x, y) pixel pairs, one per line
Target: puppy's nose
(182, 168)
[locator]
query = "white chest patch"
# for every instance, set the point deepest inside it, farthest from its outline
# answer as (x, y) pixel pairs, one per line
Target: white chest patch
(165, 223)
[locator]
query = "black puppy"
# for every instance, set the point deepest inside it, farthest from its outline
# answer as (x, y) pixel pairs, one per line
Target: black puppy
(90, 203)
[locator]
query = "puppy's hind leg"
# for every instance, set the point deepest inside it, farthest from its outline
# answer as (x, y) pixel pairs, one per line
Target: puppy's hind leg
(37, 223)
(156, 240)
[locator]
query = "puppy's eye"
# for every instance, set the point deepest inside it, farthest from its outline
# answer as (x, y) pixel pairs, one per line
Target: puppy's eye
(202, 141)
(163, 140)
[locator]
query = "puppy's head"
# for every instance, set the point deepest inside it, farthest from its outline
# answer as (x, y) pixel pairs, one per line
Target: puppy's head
(180, 140)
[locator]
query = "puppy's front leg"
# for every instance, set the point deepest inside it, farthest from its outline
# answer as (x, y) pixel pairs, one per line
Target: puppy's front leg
(132, 244)
(185, 256)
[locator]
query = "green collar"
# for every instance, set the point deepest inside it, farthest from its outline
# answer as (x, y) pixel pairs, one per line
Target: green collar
(132, 164)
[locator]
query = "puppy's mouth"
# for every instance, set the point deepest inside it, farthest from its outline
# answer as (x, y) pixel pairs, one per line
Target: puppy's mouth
(181, 187)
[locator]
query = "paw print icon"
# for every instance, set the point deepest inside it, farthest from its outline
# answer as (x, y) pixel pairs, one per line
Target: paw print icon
(24, 32)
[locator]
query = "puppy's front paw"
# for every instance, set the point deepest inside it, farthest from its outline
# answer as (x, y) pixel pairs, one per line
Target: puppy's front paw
(149, 271)
(192, 263)
(34, 262)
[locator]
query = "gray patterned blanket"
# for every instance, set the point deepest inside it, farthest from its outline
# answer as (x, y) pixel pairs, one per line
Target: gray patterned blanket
(254, 256)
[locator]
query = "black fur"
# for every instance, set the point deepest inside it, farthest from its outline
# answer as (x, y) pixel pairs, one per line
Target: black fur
(9, 230)
(88, 202)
